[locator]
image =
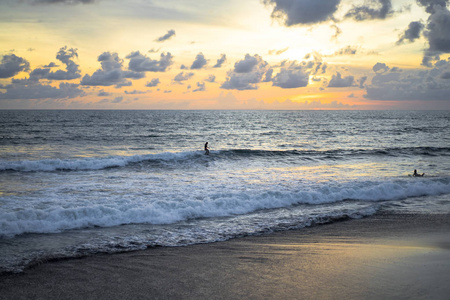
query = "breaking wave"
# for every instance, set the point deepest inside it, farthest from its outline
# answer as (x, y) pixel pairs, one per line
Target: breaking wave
(99, 163)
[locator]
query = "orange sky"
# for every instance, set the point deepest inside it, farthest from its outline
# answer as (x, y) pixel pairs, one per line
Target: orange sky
(271, 54)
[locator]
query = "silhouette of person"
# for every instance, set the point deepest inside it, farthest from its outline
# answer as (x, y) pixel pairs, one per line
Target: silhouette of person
(206, 149)
(417, 174)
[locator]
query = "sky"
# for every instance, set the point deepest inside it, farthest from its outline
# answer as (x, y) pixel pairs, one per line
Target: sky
(210, 54)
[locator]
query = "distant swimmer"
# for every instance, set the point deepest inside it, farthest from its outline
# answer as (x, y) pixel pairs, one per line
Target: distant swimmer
(417, 174)
(206, 149)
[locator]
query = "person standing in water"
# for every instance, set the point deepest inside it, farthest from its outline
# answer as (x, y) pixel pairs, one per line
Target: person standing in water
(206, 149)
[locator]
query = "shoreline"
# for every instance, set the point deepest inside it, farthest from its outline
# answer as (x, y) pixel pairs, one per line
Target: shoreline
(381, 256)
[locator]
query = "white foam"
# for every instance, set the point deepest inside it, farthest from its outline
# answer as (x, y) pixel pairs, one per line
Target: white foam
(215, 203)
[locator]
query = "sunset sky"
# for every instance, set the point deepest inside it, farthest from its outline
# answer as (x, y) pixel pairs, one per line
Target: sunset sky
(236, 54)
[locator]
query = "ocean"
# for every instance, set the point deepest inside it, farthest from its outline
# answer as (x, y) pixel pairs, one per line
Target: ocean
(77, 183)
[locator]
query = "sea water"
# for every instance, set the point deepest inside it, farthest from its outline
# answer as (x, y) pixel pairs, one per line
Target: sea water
(75, 183)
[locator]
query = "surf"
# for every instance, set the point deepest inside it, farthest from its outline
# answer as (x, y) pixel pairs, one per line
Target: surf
(100, 163)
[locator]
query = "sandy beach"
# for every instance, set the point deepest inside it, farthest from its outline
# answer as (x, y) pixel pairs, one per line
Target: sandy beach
(387, 256)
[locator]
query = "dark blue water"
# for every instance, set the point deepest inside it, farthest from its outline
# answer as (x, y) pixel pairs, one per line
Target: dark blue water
(80, 182)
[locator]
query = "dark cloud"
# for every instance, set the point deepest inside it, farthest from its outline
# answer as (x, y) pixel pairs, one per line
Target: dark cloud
(430, 5)
(247, 73)
(199, 62)
(374, 9)
(51, 65)
(220, 61)
(268, 76)
(412, 33)
(362, 81)
(102, 93)
(154, 82)
(303, 12)
(134, 92)
(380, 67)
(412, 84)
(12, 65)
(123, 83)
(167, 36)
(183, 77)
(337, 81)
(248, 63)
(65, 56)
(141, 63)
(200, 87)
(211, 78)
(293, 75)
(437, 33)
(25, 89)
(111, 72)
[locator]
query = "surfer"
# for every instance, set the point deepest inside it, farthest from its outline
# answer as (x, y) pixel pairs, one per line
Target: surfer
(417, 174)
(206, 149)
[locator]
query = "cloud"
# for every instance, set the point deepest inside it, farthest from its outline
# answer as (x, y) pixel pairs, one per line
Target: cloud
(166, 37)
(303, 12)
(349, 50)
(134, 92)
(51, 65)
(30, 88)
(424, 85)
(65, 56)
(199, 62)
(220, 61)
(337, 81)
(278, 52)
(374, 9)
(117, 99)
(111, 72)
(337, 32)
(12, 65)
(430, 5)
(211, 78)
(247, 73)
(412, 33)
(294, 75)
(362, 81)
(437, 33)
(154, 82)
(25, 89)
(380, 67)
(102, 93)
(141, 63)
(248, 63)
(200, 87)
(183, 77)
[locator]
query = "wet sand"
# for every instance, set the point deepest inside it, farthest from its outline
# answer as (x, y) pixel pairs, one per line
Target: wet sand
(382, 257)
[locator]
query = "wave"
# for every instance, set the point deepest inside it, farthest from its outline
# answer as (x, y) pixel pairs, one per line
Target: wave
(219, 203)
(99, 163)
(91, 163)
